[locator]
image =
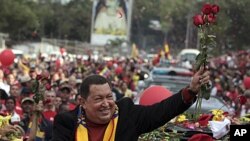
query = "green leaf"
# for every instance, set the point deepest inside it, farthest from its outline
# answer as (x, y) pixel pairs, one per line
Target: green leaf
(198, 56)
(200, 60)
(205, 92)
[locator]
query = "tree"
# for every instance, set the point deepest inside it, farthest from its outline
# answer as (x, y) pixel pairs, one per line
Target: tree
(17, 19)
(51, 19)
(234, 19)
(142, 35)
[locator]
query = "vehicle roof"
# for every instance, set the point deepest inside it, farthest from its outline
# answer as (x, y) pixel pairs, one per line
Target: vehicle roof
(171, 68)
(171, 72)
(173, 78)
(16, 51)
(190, 50)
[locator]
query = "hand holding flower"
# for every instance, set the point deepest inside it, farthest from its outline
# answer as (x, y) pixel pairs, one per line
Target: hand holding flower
(39, 107)
(200, 78)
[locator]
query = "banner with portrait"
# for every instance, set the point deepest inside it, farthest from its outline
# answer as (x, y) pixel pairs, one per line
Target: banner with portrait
(110, 20)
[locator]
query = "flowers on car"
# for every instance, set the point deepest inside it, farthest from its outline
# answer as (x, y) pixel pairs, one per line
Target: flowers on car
(202, 121)
(181, 118)
(217, 112)
(218, 115)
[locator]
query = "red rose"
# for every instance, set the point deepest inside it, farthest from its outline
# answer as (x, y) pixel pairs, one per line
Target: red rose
(203, 119)
(198, 20)
(206, 9)
(48, 87)
(215, 9)
(225, 113)
(38, 77)
(242, 99)
(211, 18)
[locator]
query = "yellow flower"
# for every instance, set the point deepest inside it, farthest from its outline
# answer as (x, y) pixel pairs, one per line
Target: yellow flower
(181, 118)
(217, 112)
(4, 120)
(218, 117)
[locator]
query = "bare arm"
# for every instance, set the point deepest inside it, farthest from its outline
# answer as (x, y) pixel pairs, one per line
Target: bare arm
(36, 115)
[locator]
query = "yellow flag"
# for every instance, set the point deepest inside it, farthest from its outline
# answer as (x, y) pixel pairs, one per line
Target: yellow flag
(166, 48)
(134, 51)
(162, 53)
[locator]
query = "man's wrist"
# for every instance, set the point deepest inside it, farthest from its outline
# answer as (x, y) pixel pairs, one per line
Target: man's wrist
(192, 91)
(188, 96)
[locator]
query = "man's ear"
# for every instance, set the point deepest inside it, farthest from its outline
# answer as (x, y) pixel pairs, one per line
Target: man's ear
(83, 102)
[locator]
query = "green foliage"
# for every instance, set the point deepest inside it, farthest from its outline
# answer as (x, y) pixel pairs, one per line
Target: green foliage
(174, 18)
(231, 29)
(72, 21)
(38, 89)
(16, 18)
(143, 13)
(233, 24)
(160, 135)
(20, 18)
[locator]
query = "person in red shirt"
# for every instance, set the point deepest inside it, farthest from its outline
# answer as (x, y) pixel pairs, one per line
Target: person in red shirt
(15, 92)
(49, 105)
(232, 94)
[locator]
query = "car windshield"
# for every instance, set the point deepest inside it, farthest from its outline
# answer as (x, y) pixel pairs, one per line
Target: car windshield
(173, 78)
(188, 56)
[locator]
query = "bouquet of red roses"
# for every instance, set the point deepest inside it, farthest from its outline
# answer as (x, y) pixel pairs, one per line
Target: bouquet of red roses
(204, 21)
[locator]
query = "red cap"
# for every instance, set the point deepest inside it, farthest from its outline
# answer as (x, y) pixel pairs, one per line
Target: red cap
(118, 70)
(109, 64)
(201, 137)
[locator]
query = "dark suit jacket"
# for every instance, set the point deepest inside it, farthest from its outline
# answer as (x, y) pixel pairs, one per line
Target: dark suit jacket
(133, 121)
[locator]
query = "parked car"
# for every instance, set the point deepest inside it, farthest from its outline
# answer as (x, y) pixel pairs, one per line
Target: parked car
(173, 78)
(188, 55)
(18, 54)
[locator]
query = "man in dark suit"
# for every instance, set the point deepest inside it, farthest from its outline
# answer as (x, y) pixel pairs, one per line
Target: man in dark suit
(99, 117)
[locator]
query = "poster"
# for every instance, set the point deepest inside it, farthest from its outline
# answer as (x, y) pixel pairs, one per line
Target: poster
(110, 20)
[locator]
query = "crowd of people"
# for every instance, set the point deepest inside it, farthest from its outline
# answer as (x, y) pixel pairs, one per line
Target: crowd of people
(65, 75)
(230, 77)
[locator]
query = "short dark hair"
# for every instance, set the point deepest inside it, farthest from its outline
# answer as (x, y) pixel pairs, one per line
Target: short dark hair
(11, 98)
(94, 79)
